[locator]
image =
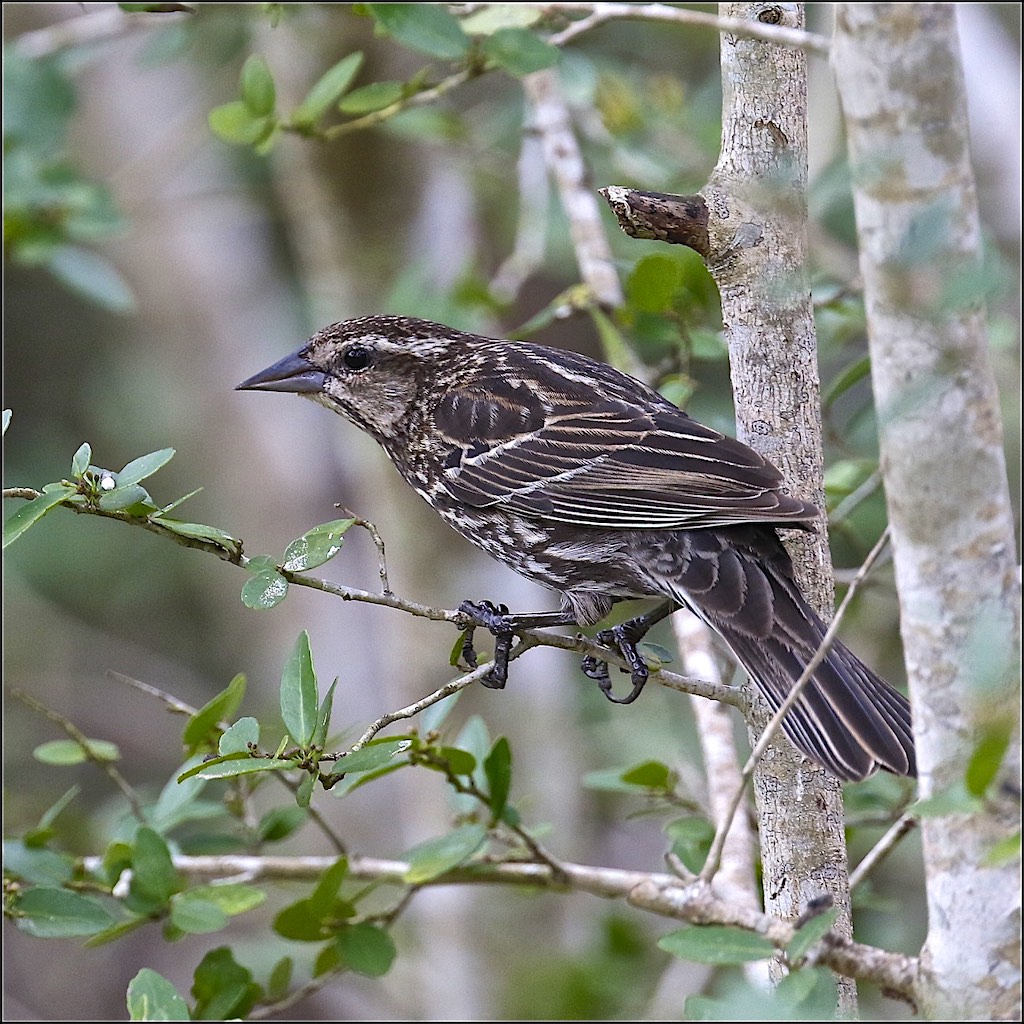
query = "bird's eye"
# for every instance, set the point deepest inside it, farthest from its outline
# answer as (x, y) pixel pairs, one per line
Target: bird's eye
(356, 358)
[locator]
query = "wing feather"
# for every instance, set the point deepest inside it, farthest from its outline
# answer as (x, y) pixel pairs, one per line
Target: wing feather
(550, 449)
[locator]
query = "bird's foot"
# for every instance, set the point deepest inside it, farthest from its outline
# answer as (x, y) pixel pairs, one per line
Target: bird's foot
(623, 638)
(500, 623)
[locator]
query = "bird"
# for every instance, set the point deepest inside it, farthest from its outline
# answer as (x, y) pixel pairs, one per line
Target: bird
(594, 485)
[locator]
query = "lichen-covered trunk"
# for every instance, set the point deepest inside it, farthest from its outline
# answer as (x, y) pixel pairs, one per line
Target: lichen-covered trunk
(757, 209)
(901, 85)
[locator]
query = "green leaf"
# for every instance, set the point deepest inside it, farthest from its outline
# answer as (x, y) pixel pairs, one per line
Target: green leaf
(145, 466)
(222, 988)
(519, 52)
(366, 949)
(153, 997)
(953, 800)
(60, 913)
(231, 765)
(38, 866)
(650, 774)
(80, 461)
(375, 96)
(280, 978)
(304, 790)
(298, 692)
(203, 724)
(195, 915)
(124, 497)
(988, 755)
(492, 17)
(426, 28)
(90, 275)
(200, 532)
(235, 123)
(54, 810)
(716, 944)
(436, 856)
(810, 933)
(845, 380)
(328, 89)
(498, 769)
(264, 590)
(370, 757)
(304, 921)
(237, 737)
(177, 501)
(67, 752)
(652, 285)
(691, 839)
(232, 898)
(15, 525)
(317, 546)
(323, 719)
(258, 92)
(326, 890)
(460, 762)
(280, 822)
(1005, 851)
(154, 876)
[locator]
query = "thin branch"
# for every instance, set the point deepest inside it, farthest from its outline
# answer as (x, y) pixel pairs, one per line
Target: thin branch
(658, 893)
(531, 227)
(85, 744)
(855, 497)
(600, 13)
(715, 853)
(905, 824)
(418, 99)
(721, 759)
(565, 162)
(411, 710)
(95, 26)
(177, 706)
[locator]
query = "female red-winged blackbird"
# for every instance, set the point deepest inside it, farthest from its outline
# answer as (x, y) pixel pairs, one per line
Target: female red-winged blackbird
(590, 483)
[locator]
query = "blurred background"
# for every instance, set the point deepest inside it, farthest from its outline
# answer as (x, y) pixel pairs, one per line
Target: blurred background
(196, 263)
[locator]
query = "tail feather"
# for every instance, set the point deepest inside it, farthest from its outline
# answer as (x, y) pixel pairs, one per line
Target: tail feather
(847, 718)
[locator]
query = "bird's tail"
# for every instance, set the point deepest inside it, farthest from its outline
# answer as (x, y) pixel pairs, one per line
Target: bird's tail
(847, 719)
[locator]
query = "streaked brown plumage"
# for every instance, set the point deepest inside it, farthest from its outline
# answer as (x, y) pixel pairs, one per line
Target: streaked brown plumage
(591, 483)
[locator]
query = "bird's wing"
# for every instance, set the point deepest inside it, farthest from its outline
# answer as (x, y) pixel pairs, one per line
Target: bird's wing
(572, 454)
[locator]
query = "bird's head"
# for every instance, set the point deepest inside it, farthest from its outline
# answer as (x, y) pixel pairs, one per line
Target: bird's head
(370, 370)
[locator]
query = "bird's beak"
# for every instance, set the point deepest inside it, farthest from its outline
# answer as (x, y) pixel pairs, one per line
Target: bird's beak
(293, 373)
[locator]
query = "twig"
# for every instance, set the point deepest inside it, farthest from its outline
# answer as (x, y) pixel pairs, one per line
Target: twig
(579, 644)
(658, 893)
(418, 99)
(565, 163)
(599, 13)
(83, 741)
(901, 827)
(181, 707)
(531, 227)
(174, 705)
(715, 853)
(721, 759)
(855, 497)
(92, 27)
(447, 690)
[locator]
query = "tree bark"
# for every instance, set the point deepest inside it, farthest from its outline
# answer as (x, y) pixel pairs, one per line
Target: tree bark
(756, 200)
(901, 85)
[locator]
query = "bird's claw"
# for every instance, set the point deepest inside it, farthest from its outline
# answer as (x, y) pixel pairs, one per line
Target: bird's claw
(619, 638)
(495, 618)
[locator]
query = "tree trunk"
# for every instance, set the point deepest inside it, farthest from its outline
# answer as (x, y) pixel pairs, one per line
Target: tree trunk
(757, 232)
(901, 86)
